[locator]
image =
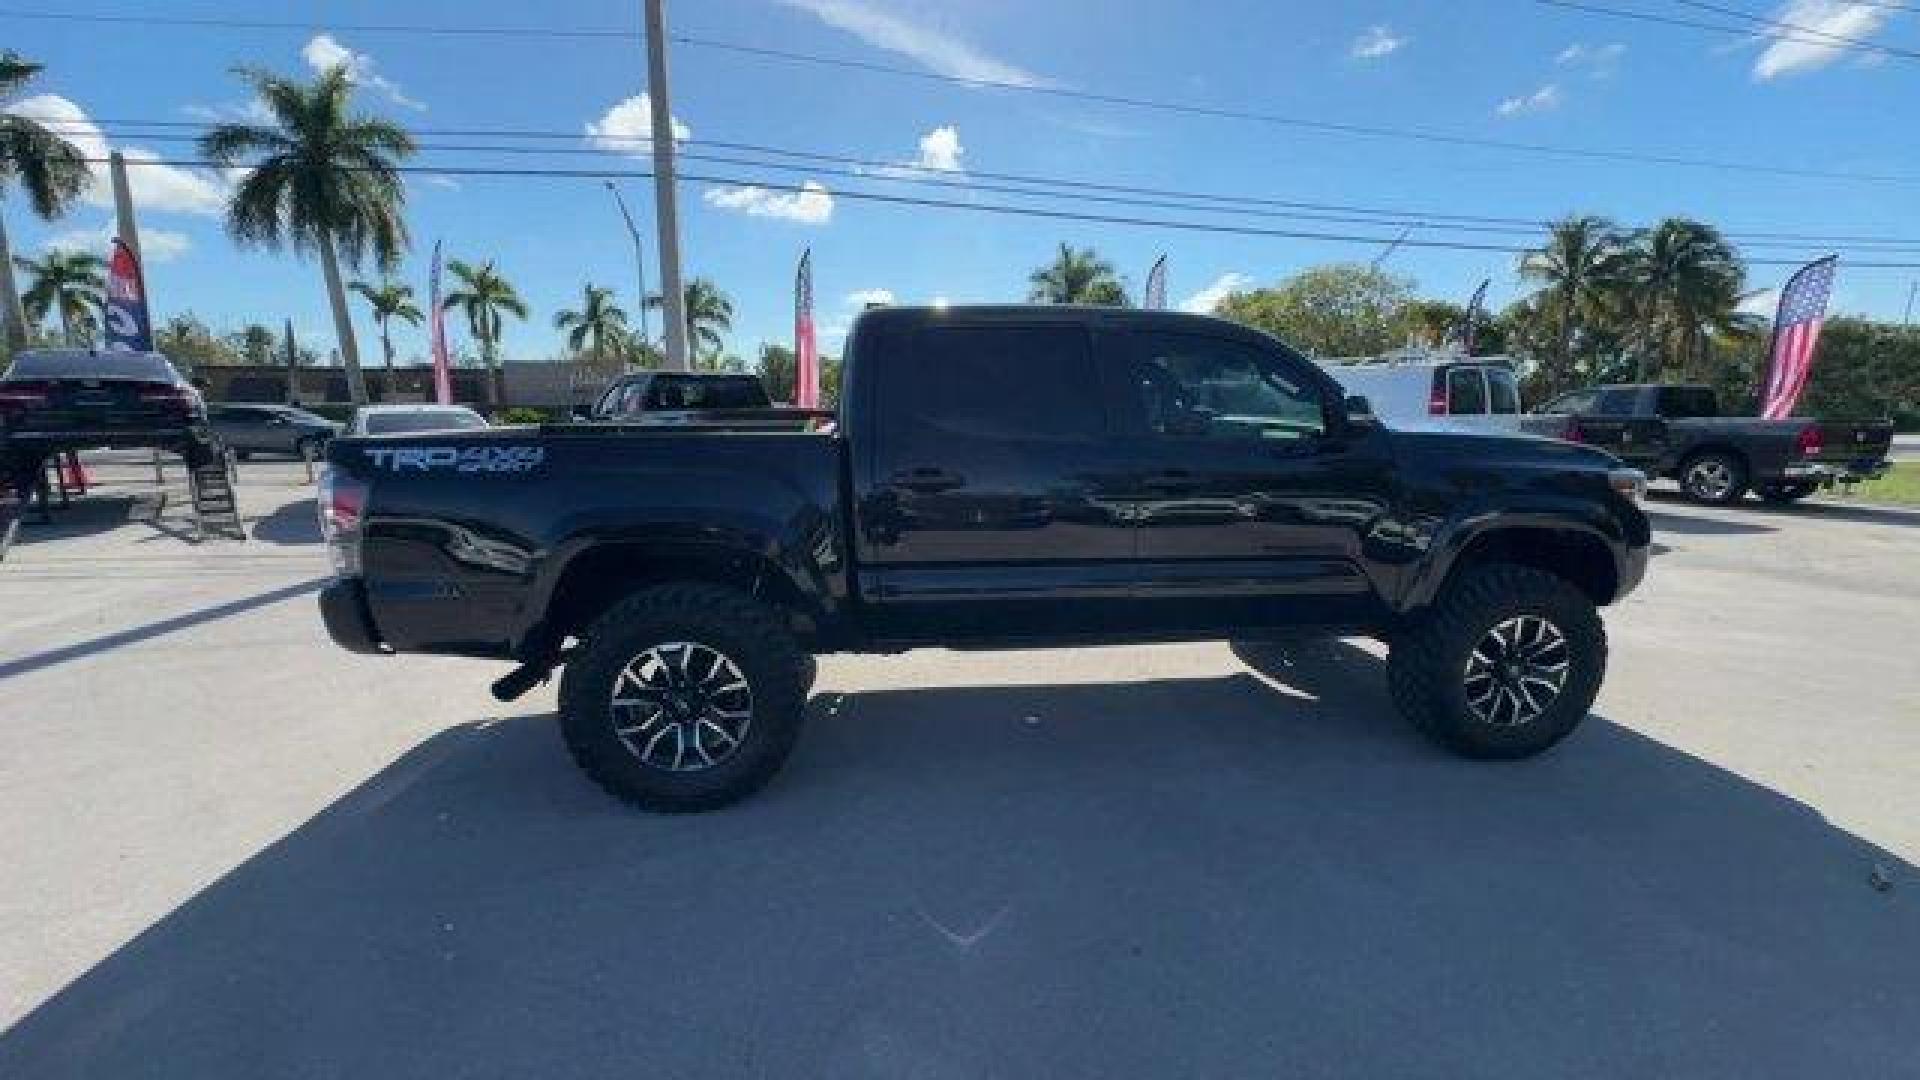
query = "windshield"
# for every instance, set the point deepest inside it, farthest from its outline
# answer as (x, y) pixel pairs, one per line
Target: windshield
(400, 423)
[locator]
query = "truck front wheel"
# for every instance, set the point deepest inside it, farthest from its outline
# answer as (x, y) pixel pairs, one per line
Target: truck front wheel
(1505, 664)
(684, 697)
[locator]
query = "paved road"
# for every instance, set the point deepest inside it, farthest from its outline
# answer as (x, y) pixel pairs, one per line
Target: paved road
(1906, 447)
(232, 851)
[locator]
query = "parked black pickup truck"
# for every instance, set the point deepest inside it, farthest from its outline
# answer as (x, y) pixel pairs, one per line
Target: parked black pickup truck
(702, 399)
(999, 477)
(1677, 431)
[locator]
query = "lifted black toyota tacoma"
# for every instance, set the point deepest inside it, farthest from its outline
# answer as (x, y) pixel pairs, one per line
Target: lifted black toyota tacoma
(998, 477)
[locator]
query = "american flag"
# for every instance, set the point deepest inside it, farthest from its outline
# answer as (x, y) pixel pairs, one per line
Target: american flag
(1471, 322)
(1796, 332)
(437, 334)
(806, 357)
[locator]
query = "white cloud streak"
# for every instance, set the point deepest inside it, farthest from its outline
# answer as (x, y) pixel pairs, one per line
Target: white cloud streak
(1544, 99)
(156, 187)
(931, 47)
(1805, 49)
(324, 52)
(811, 205)
(1204, 301)
(861, 298)
(1377, 43)
(156, 245)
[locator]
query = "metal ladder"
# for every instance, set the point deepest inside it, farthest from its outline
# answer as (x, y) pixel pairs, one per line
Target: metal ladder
(216, 511)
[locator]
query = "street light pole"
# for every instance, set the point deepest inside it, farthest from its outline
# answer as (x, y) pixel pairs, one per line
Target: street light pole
(639, 262)
(666, 214)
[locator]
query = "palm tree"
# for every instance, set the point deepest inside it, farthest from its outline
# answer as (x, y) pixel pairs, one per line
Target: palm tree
(483, 295)
(1433, 322)
(599, 322)
(709, 315)
(324, 179)
(1581, 270)
(389, 300)
(51, 170)
(1686, 282)
(72, 283)
(1077, 276)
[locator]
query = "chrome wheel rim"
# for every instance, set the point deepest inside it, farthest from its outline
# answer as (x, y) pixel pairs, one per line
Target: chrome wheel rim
(1711, 478)
(681, 706)
(1517, 671)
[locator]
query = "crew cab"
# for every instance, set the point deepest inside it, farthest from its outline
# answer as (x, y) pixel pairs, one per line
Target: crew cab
(998, 477)
(1677, 430)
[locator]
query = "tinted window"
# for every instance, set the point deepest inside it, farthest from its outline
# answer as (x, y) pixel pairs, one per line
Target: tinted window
(707, 392)
(399, 423)
(1502, 391)
(1682, 401)
(302, 416)
(1616, 401)
(148, 367)
(1580, 401)
(1466, 392)
(1211, 387)
(998, 382)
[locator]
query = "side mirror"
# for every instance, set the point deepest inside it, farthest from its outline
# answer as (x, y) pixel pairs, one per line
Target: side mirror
(1359, 412)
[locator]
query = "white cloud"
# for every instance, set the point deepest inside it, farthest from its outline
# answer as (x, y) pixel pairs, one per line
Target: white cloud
(861, 298)
(1597, 61)
(812, 204)
(933, 48)
(1377, 43)
(1761, 302)
(155, 186)
(254, 111)
(940, 149)
(324, 53)
(438, 180)
(1204, 301)
(1544, 99)
(627, 128)
(1810, 46)
(156, 245)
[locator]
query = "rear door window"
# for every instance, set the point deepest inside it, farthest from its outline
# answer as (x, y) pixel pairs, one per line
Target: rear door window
(1016, 383)
(1466, 392)
(1616, 401)
(1576, 403)
(1502, 392)
(1686, 401)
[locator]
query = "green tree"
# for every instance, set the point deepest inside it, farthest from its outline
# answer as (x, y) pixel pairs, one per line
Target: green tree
(1339, 310)
(186, 340)
(483, 296)
(776, 366)
(51, 171)
(709, 318)
(1077, 276)
(73, 285)
(323, 179)
(1582, 270)
(1684, 283)
(389, 300)
(256, 342)
(597, 326)
(1432, 323)
(1863, 371)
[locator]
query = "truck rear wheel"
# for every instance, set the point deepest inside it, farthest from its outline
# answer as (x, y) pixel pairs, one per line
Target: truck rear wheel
(1505, 665)
(684, 697)
(1714, 477)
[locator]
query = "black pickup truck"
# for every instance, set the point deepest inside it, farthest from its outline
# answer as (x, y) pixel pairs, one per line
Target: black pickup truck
(1677, 431)
(999, 477)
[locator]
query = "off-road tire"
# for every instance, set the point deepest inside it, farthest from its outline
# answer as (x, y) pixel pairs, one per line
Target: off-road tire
(1427, 663)
(1692, 484)
(747, 632)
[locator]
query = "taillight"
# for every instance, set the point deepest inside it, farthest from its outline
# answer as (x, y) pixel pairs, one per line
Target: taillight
(1573, 432)
(178, 397)
(343, 508)
(1437, 397)
(18, 397)
(1811, 442)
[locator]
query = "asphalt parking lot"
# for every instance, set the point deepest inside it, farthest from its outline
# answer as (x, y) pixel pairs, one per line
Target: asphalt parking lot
(232, 850)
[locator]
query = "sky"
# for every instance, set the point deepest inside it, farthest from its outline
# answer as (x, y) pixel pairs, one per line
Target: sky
(1512, 71)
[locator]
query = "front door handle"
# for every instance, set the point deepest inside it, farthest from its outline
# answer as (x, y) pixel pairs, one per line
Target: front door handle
(927, 479)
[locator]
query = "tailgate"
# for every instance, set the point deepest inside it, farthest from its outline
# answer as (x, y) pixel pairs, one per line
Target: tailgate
(1849, 443)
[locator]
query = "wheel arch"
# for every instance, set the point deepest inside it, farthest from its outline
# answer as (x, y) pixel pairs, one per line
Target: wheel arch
(1571, 549)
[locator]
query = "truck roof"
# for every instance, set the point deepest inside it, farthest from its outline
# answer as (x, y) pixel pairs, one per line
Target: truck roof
(988, 314)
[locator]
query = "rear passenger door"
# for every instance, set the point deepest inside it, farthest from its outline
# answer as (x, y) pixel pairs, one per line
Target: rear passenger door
(1611, 424)
(989, 493)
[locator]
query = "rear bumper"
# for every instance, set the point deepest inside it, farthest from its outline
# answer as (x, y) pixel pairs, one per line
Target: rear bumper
(107, 438)
(1827, 472)
(343, 607)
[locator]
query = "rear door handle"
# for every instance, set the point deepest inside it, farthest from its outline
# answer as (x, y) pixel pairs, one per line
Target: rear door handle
(927, 479)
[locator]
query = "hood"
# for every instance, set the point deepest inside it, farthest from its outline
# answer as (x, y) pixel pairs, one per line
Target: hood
(1494, 449)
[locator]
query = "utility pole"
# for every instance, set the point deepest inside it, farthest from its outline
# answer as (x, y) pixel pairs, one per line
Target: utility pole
(1907, 319)
(639, 261)
(666, 215)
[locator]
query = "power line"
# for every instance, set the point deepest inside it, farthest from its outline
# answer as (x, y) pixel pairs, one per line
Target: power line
(1836, 40)
(1062, 92)
(212, 23)
(879, 169)
(1787, 34)
(991, 208)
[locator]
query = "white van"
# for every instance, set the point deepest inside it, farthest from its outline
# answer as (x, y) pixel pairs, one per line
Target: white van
(1423, 391)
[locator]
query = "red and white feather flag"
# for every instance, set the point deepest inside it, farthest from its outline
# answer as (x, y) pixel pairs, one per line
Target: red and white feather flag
(1796, 333)
(806, 353)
